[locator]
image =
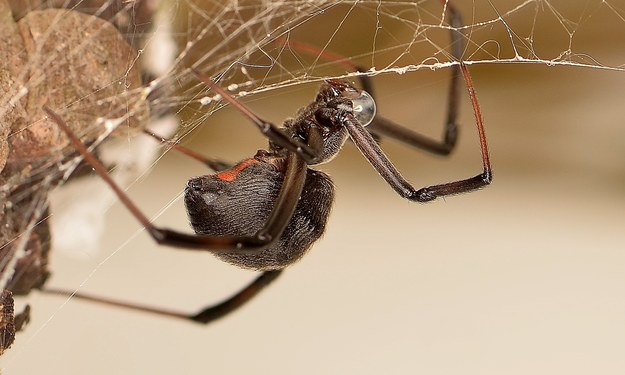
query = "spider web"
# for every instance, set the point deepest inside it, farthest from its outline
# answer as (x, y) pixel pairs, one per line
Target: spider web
(250, 48)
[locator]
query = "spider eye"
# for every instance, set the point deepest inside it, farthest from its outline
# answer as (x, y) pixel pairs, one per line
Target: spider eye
(364, 108)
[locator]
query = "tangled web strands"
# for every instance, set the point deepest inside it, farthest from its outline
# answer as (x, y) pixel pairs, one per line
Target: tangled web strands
(102, 73)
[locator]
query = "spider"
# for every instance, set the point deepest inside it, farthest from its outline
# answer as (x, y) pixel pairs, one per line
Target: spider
(266, 211)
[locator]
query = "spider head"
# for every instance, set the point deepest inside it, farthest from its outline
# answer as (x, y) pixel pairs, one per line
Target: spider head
(337, 101)
(359, 102)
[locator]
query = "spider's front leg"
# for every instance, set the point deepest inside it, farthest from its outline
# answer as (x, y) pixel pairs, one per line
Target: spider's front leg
(367, 145)
(384, 127)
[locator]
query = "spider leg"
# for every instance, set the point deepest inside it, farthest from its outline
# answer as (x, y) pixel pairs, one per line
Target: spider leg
(308, 152)
(279, 217)
(216, 165)
(204, 316)
(374, 154)
(384, 127)
(381, 126)
(214, 312)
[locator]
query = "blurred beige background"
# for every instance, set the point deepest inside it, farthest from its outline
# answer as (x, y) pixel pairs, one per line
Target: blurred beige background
(526, 276)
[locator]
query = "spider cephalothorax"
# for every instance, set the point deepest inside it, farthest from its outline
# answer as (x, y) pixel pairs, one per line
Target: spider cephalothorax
(324, 119)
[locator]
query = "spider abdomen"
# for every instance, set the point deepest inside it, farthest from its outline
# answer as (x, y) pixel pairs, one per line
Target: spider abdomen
(239, 201)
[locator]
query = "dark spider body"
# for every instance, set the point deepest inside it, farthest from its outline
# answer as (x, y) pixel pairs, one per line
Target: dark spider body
(238, 201)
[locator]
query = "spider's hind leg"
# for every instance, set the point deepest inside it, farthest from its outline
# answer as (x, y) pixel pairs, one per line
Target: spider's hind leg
(204, 316)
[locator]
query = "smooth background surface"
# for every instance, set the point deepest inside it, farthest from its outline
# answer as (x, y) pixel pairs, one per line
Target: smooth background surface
(526, 276)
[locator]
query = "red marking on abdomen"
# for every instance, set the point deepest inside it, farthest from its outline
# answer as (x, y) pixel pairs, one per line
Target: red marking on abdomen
(231, 174)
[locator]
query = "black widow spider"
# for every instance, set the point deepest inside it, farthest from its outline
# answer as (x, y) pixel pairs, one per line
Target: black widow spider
(265, 212)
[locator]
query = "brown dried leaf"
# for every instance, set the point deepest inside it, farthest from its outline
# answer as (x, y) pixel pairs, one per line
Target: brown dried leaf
(12, 59)
(81, 66)
(78, 62)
